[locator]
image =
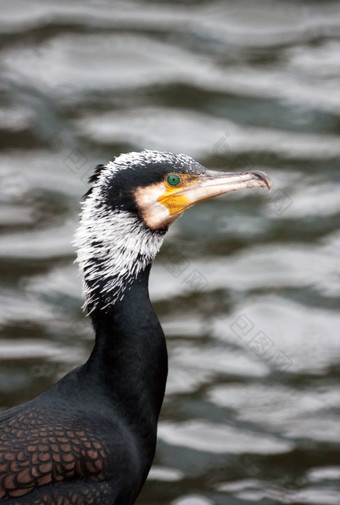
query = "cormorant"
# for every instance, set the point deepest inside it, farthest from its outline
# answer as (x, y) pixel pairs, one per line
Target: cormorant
(91, 438)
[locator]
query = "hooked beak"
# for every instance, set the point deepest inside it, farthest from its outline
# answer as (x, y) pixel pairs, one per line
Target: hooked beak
(218, 183)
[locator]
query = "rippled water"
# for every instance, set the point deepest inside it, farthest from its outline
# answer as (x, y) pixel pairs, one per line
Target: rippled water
(247, 286)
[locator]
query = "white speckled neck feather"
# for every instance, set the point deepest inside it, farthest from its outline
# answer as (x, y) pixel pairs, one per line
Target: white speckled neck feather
(113, 246)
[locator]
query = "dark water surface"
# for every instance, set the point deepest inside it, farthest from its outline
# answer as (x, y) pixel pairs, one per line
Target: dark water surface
(247, 286)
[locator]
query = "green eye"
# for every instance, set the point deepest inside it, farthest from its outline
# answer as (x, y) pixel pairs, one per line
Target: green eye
(173, 179)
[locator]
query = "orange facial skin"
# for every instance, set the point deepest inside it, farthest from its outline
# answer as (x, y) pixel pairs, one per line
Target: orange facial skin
(173, 198)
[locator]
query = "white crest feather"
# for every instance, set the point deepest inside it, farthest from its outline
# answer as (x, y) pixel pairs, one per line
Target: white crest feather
(113, 246)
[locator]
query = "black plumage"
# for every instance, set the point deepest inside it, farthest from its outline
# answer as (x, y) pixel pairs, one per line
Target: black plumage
(96, 427)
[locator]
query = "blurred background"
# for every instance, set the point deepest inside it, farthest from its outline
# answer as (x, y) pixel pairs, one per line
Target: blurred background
(247, 286)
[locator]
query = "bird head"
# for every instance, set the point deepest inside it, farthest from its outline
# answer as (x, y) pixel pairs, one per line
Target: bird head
(133, 201)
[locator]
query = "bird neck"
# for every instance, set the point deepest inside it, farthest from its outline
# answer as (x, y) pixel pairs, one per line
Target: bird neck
(113, 248)
(130, 355)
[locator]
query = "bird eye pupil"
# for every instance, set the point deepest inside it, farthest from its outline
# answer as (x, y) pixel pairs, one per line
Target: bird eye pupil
(173, 179)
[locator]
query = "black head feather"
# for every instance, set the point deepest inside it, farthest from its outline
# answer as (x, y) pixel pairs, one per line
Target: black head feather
(95, 176)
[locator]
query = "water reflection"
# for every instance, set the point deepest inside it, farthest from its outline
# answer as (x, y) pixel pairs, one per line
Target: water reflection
(246, 286)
